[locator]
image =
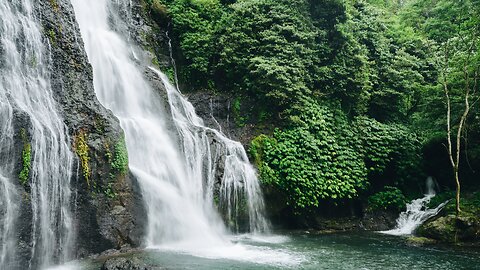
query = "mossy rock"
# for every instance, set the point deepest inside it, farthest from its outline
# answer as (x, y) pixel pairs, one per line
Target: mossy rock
(158, 11)
(441, 229)
(452, 229)
(420, 241)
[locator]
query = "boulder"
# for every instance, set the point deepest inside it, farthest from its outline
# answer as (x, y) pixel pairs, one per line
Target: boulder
(452, 229)
(124, 264)
(379, 220)
(420, 241)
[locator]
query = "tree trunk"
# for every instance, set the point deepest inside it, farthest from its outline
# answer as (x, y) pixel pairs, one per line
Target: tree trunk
(457, 195)
(468, 90)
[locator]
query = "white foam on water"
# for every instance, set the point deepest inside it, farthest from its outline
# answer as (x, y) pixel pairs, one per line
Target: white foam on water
(240, 252)
(68, 266)
(262, 238)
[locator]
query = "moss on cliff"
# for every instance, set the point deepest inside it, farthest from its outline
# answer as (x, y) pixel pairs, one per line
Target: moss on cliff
(26, 158)
(82, 150)
(54, 5)
(120, 157)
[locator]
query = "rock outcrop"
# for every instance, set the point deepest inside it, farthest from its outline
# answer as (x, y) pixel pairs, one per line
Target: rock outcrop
(108, 207)
(452, 229)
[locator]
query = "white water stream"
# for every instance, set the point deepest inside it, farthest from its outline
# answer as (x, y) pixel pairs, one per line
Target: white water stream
(25, 90)
(205, 148)
(175, 158)
(417, 213)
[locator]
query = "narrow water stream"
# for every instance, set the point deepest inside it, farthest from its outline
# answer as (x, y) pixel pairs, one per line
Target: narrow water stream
(417, 212)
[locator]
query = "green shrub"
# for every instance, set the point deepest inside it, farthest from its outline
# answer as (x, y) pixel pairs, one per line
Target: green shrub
(239, 118)
(469, 202)
(391, 198)
(195, 24)
(392, 147)
(120, 157)
(26, 158)
(313, 160)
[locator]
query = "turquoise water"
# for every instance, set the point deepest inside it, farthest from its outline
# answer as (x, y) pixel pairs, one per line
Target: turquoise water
(306, 251)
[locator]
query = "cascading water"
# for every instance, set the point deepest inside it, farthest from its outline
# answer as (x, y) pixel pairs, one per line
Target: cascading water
(417, 212)
(25, 89)
(177, 176)
(239, 184)
(172, 60)
(9, 196)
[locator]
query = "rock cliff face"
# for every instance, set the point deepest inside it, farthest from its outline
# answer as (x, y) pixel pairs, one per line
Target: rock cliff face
(217, 110)
(108, 206)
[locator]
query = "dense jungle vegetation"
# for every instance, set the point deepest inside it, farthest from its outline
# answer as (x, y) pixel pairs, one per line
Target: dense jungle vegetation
(354, 92)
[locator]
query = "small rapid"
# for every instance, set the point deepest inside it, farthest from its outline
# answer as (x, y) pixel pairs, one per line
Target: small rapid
(417, 212)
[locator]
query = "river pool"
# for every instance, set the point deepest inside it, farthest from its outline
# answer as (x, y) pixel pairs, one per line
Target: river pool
(366, 250)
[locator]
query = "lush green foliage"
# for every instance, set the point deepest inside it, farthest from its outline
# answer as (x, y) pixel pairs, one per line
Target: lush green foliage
(312, 163)
(195, 23)
(453, 29)
(351, 86)
(391, 198)
(268, 50)
(389, 147)
(284, 51)
(470, 203)
(324, 156)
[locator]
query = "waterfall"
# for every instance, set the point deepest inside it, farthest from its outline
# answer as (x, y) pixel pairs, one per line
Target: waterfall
(25, 91)
(176, 162)
(9, 197)
(239, 184)
(172, 60)
(417, 212)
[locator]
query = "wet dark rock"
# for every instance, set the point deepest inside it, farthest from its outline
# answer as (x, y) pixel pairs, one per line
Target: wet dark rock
(102, 222)
(124, 264)
(327, 217)
(216, 111)
(379, 220)
(146, 32)
(442, 229)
